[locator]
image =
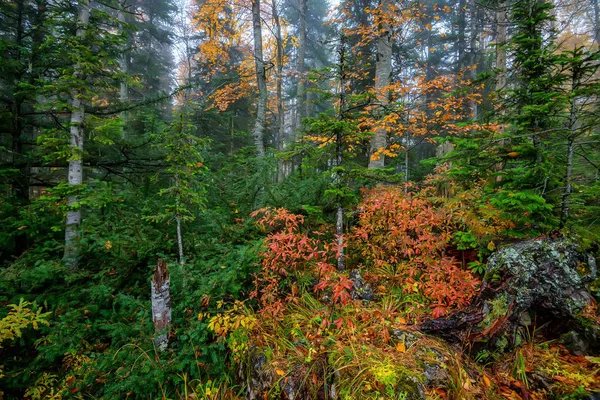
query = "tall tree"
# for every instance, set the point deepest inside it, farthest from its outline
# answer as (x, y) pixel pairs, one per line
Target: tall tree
(75, 175)
(261, 80)
(300, 65)
(383, 72)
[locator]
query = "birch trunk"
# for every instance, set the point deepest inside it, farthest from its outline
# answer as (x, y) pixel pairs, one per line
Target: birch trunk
(339, 225)
(501, 37)
(75, 176)
(123, 62)
(300, 69)
(473, 49)
(259, 125)
(383, 72)
(280, 136)
(161, 304)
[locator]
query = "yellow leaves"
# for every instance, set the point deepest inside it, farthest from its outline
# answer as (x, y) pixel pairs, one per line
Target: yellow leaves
(108, 245)
(401, 347)
(235, 318)
(491, 246)
(487, 381)
(279, 372)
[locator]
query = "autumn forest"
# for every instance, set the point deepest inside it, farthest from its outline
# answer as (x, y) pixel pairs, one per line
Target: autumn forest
(299, 199)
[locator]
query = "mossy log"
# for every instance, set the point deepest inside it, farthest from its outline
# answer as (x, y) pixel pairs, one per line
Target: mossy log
(545, 278)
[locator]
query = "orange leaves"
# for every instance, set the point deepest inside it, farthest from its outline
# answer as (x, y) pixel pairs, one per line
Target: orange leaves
(290, 250)
(393, 227)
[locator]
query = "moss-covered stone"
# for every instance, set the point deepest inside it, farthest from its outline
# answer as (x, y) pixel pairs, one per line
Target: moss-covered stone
(542, 273)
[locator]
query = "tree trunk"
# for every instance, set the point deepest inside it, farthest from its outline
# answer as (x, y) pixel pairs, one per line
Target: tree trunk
(179, 234)
(300, 68)
(566, 197)
(75, 176)
(20, 183)
(161, 304)
(261, 79)
(473, 49)
(383, 72)
(339, 225)
(123, 61)
(280, 136)
(279, 77)
(460, 44)
(564, 214)
(501, 37)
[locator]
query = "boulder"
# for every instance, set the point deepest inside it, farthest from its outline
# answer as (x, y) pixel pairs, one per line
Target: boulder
(360, 289)
(547, 276)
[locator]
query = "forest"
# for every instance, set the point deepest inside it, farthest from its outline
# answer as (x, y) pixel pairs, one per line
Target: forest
(299, 199)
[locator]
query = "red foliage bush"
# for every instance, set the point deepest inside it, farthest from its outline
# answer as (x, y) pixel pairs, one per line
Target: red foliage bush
(405, 232)
(289, 250)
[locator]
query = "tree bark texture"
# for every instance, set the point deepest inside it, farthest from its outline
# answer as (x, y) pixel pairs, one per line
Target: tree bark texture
(339, 225)
(383, 72)
(161, 304)
(300, 67)
(261, 79)
(501, 37)
(75, 175)
(124, 60)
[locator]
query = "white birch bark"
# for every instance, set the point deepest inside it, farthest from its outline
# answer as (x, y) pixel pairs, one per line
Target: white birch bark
(300, 68)
(501, 37)
(339, 224)
(75, 175)
(383, 72)
(161, 304)
(123, 62)
(259, 63)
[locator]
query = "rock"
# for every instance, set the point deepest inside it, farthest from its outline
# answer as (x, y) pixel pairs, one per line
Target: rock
(583, 341)
(539, 275)
(410, 388)
(258, 378)
(434, 368)
(360, 289)
(289, 389)
(541, 272)
(407, 337)
(525, 319)
(541, 380)
(575, 343)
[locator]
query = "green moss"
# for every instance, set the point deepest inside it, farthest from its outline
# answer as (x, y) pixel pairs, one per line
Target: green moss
(498, 309)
